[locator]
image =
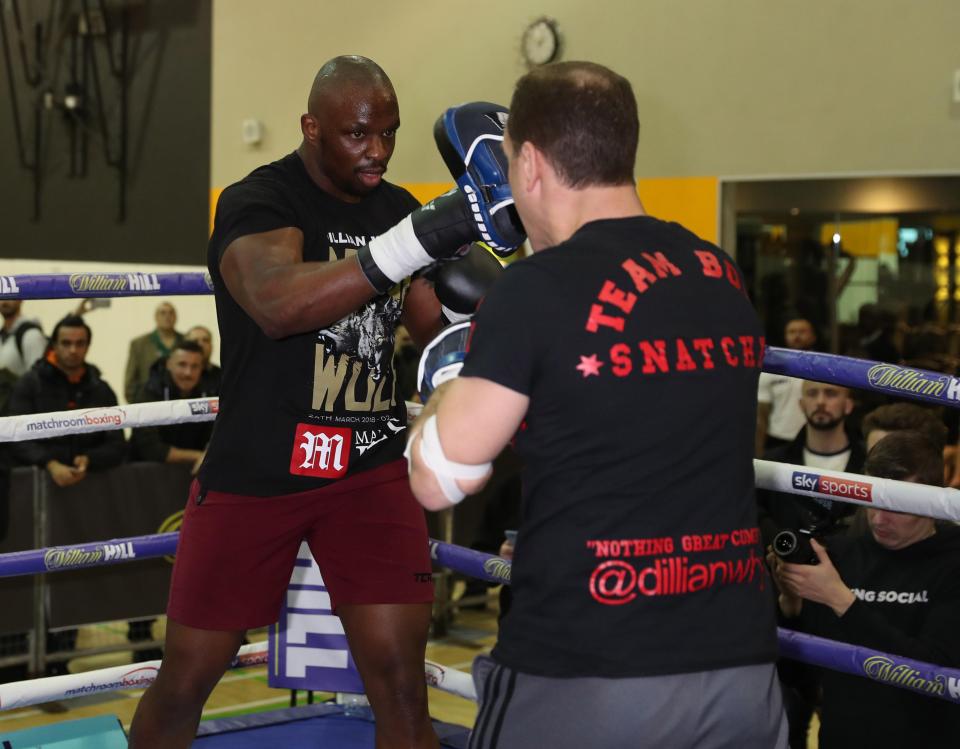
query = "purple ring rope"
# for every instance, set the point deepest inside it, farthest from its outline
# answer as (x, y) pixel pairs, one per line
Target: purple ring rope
(85, 285)
(894, 670)
(95, 554)
(925, 678)
(892, 379)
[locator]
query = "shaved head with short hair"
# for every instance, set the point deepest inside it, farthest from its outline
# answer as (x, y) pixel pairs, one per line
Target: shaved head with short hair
(343, 72)
(349, 130)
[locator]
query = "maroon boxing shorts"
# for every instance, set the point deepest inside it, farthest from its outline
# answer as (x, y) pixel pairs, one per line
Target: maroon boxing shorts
(236, 553)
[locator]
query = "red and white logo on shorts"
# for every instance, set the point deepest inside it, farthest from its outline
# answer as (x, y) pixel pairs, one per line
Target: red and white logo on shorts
(321, 451)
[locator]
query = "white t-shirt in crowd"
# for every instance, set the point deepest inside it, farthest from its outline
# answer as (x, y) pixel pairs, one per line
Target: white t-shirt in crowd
(34, 344)
(783, 395)
(826, 462)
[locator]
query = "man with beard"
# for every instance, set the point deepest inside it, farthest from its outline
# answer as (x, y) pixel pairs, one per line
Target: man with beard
(824, 444)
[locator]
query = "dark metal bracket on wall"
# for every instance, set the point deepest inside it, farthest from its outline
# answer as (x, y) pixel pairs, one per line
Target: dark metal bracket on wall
(59, 59)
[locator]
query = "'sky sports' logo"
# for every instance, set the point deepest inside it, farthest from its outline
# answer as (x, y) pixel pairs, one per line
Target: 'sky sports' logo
(320, 451)
(198, 408)
(833, 486)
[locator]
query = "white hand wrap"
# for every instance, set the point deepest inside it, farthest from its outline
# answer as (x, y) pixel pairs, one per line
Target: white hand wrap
(446, 471)
(398, 252)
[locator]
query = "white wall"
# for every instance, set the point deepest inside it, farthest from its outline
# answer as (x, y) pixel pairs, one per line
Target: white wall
(126, 318)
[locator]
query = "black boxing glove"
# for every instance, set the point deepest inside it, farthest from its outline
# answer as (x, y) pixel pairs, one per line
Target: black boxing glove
(462, 282)
(435, 231)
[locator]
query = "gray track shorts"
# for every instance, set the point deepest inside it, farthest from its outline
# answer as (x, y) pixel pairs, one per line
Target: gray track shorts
(730, 708)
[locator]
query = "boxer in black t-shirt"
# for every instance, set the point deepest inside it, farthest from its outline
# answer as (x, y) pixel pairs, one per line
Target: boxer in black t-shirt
(311, 276)
(623, 356)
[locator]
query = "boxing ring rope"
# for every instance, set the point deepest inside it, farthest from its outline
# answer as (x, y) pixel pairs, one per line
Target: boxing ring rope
(20, 694)
(906, 673)
(863, 374)
(86, 285)
(890, 379)
(103, 418)
(868, 491)
(918, 499)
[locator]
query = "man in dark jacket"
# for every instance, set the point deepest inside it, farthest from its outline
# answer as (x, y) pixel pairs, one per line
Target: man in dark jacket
(212, 374)
(823, 443)
(180, 375)
(62, 381)
(894, 589)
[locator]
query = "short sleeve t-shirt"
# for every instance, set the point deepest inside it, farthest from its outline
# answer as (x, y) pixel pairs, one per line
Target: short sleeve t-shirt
(638, 550)
(783, 394)
(301, 412)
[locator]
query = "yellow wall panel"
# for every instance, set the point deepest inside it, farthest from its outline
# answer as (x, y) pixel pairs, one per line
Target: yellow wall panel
(691, 201)
(424, 191)
(214, 197)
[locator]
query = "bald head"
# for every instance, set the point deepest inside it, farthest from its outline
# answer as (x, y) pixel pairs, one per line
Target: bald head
(340, 73)
(350, 128)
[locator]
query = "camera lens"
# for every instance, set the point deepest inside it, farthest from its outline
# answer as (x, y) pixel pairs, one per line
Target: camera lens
(785, 543)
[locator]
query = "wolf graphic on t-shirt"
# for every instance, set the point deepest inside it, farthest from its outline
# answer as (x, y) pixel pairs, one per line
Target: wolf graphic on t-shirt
(367, 334)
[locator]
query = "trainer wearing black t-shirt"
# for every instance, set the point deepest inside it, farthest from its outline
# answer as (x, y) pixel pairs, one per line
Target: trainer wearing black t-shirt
(623, 357)
(306, 441)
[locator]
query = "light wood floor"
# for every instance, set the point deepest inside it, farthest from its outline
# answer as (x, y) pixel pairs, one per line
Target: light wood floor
(246, 690)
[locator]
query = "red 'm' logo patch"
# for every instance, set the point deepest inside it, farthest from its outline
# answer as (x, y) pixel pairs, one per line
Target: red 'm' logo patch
(321, 451)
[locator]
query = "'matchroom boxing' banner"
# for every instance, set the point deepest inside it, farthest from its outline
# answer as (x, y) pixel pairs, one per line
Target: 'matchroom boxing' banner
(87, 285)
(308, 648)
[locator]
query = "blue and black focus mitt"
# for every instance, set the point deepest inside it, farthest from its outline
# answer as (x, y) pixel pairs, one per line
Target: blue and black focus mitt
(470, 139)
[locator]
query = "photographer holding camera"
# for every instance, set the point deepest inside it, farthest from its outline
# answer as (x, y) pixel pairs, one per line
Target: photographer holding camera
(894, 589)
(824, 444)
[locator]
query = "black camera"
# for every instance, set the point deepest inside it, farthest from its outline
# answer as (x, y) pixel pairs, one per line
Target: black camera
(825, 516)
(794, 546)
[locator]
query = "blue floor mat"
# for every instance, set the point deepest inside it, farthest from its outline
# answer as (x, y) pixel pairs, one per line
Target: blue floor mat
(307, 727)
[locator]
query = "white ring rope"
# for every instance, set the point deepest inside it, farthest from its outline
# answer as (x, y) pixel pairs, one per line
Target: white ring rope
(114, 679)
(100, 419)
(141, 675)
(869, 491)
(83, 420)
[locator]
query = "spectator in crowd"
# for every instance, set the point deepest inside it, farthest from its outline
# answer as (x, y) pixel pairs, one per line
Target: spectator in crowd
(63, 380)
(895, 589)
(22, 341)
(177, 376)
(212, 374)
(875, 326)
(180, 375)
(823, 443)
(146, 349)
(898, 417)
(779, 417)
